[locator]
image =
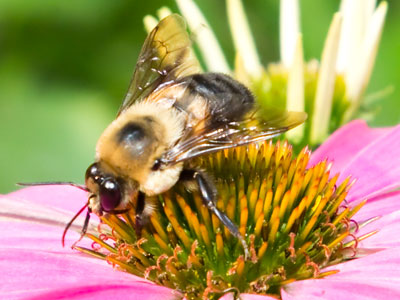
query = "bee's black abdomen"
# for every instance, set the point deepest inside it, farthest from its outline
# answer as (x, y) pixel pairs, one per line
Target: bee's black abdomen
(228, 99)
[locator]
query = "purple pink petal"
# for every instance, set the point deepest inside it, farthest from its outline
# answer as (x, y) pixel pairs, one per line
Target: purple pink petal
(35, 266)
(370, 155)
(372, 277)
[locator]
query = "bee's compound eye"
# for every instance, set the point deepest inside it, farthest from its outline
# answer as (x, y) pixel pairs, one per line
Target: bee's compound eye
(110, 195)
(92, 172)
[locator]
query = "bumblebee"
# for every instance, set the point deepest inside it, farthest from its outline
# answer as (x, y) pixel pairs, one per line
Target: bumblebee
(171, 114)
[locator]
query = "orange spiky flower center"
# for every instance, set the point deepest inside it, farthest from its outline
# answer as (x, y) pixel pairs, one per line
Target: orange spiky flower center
(294, 218)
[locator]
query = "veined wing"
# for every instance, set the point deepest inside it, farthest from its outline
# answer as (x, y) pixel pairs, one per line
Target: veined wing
(233, 134)
(165, 57)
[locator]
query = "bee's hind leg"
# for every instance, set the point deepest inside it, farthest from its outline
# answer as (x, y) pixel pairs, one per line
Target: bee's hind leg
(208, 194)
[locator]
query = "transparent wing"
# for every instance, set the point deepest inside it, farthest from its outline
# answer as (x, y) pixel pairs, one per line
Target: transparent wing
(234, 134)
(165, 56)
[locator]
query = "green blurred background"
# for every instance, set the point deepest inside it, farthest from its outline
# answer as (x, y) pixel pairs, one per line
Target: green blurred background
(66, 65)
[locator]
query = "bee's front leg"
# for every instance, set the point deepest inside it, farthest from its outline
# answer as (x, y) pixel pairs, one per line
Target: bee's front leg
(139, 214)
(208, 193)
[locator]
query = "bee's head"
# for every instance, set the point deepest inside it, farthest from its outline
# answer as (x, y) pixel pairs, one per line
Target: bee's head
(106, 190)
(130, 147)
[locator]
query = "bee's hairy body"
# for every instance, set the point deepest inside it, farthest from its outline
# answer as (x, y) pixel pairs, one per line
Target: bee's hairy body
(171, 114)
(133, 142)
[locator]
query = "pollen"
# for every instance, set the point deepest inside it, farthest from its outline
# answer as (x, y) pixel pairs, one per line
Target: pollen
(294, 218)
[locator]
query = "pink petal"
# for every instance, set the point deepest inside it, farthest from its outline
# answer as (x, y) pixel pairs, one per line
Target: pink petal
(387, 209)
(39, 274)
(376, 167)
(55, 196)
(345, 142)
(35, 266)
(370, 155)
(14, 207)
(376, 276)
(230, 296)
(379, 206)
(388, 232)
(387, 235)
(35, 236)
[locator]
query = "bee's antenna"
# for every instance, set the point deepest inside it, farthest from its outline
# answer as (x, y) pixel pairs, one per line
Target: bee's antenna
(84, 228)
(79, 186)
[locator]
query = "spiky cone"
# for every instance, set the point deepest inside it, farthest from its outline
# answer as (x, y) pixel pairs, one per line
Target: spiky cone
(293, 217)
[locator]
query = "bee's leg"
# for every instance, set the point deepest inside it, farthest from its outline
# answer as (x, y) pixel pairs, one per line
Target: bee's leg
(139, 213)
(84, 229)
(208, 194)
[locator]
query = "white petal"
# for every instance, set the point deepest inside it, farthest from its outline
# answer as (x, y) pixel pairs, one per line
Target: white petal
(211, 51)
(295, 89)
(289, 29)
(163, 12)
(240, 71)
(370, 6)
(149, 23)
(360, 73)
(346, 44)
(353, 31)
(356, 17)
(326, 81)
(242, 37)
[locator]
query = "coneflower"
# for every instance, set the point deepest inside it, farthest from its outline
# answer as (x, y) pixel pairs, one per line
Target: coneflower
(299, 220)
(295, 219)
